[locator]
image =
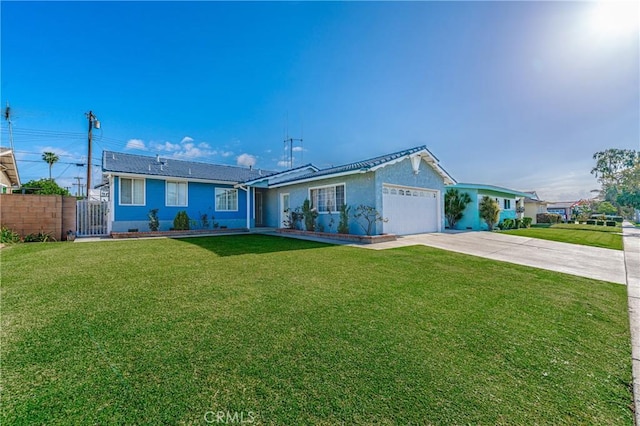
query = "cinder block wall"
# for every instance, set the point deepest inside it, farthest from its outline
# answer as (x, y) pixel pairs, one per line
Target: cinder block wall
(29, 214)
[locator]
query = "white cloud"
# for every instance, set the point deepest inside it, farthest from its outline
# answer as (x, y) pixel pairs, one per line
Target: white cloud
(204, 145)
(246, 160)
(226, 153)
(283, 163)
(136, 144)
(186, 139)
(297, 149)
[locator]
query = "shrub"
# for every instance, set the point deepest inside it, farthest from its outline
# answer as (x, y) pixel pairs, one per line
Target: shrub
(154, 222)
(455, 203)
(367, 217)
(7, 236)
(310, 215)
(343, 225)
(181, 221)
(40, 237)
(204, 220)
(526, 222)
(591, 222)
(506, 224)
(293, 219)
(489, 211)
(611, 223)
(548, 218)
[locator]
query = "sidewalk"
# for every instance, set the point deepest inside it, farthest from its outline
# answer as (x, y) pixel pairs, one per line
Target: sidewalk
(632, 267)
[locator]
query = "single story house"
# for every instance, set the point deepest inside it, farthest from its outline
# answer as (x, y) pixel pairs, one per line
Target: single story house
(9, 177)
(509, 200)
(533, 206)
(563, 208)
(405, 187)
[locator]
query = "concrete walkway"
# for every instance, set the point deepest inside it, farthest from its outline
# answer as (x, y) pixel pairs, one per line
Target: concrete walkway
(590, 262)
(632, 266)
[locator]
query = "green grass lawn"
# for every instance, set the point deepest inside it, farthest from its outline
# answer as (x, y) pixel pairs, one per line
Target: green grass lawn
(588, 235)
(281, 331)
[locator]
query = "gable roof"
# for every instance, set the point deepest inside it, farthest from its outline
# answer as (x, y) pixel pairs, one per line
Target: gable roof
(480, 186)
(372, 164)
(9, 166)
(265, 181)
(119, 163)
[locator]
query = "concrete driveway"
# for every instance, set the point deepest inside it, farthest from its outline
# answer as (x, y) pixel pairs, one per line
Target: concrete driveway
(591, 262)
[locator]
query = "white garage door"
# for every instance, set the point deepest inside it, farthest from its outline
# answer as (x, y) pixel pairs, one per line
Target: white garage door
(409, 210)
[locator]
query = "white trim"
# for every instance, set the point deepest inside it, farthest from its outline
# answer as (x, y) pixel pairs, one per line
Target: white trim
(428, 158)
(323, 177)
(333, 185)
(281, 205)
(215, 198)
(112, 203)
(161, 177)
(280, 174)
(166, 193)
(144, 192)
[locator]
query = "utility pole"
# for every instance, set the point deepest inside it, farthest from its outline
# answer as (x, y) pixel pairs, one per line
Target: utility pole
(93, 122)
(290, 141)
(79, 185)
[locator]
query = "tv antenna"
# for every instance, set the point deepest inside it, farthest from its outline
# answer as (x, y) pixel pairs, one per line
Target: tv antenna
(7, 117)
(289, 143)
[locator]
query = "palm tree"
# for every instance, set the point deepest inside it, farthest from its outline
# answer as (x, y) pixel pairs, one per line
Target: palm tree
(50, 158)
(455, 202)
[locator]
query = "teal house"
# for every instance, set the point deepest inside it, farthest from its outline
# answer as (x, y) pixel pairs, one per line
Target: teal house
(511, 204)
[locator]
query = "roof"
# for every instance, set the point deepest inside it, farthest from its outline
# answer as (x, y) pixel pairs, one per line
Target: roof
(561, 205)
(373, 164)
(282, 176)
(480, 186)
(8, 166)
(117, 162)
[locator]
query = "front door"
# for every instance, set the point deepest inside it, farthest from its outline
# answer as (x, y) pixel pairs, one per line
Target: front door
(259, 209)
(284, 210)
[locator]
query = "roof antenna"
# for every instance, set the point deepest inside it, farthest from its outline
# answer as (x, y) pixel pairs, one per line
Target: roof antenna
(7, 117)
(290, 141)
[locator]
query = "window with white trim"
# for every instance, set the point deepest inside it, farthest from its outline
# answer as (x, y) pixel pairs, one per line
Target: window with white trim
(226, 199)
(132, 192)
(327, 199)
(507, 204)
(176, 194)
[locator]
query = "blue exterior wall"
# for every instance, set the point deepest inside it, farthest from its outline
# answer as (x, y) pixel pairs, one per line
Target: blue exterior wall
(401, 173)
(200, 200)
(360, 188)
(471, 216)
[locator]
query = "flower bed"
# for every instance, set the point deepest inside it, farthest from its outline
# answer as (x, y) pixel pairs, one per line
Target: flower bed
(365, 239)
(202, 232)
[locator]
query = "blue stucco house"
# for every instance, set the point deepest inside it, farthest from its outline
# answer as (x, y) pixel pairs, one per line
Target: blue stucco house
(406, 187)
(509, 201)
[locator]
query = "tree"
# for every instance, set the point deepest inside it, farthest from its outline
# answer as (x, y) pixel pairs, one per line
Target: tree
(44, 187)
(50, 158)
(612, 171)
(606, 207)
(629, 194)
(489, 211)
(455, 203)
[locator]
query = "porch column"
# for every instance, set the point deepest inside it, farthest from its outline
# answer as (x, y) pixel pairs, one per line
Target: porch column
(248, 207)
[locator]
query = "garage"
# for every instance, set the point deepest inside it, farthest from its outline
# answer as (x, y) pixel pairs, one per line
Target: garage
(410, 210)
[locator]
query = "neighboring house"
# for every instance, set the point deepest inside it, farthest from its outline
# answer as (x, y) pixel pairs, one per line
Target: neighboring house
(137, 184)
(9, 177)
(405, 187)
(563, 208)
(533, 206)
(508, 200)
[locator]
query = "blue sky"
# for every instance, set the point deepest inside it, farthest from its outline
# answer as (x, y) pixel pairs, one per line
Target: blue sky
(515, 94)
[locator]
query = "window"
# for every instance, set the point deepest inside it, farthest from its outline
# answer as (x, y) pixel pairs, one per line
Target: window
(226, 199)
(507, 204)
(328, 198)
(176, 194)
(132, 191)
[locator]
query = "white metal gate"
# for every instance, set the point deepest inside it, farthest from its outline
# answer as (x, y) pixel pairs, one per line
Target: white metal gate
(91, 218)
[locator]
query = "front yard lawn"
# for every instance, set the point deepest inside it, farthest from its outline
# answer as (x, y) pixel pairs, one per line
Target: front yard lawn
(589, 235)
(272, 330)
